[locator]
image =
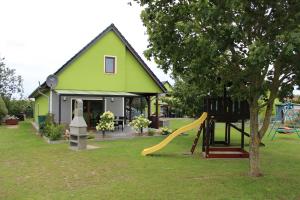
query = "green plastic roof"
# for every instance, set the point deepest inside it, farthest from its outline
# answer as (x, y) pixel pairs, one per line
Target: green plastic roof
(95, 93)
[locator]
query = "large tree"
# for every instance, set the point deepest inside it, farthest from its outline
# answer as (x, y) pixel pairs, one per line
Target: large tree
(254, 44)
(10, 83)
(188, 97)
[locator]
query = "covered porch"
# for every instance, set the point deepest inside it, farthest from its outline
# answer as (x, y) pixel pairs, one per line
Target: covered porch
(124, 105)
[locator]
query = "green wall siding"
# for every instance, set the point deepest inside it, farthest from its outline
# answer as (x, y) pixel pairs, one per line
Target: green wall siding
(41, 106)
(137, 79)
(86, 72)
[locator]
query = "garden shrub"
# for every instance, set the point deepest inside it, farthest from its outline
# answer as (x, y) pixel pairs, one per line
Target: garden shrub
(106, 122)
(151, 132)
(165, 131)
(53, 131)
(3, 109)
(48, 121)
(140, 122)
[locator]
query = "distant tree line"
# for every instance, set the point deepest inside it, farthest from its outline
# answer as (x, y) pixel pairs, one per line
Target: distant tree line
(11, 85)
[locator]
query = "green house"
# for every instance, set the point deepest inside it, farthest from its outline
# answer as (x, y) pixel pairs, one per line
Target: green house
(106, 74)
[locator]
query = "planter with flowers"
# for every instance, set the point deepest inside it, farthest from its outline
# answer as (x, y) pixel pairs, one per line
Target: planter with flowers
(139, 123)
(11, 120)
(106, 122)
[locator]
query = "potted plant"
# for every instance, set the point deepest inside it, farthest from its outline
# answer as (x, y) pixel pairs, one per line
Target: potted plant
(106, 122)
(139, 123)
(11, 120)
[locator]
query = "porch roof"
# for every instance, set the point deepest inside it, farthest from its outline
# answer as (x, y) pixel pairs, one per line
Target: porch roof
(95, 93)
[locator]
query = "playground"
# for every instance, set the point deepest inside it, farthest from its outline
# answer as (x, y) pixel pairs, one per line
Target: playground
(32, 169)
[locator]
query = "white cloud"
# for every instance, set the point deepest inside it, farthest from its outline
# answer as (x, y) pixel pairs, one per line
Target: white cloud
(37, 36)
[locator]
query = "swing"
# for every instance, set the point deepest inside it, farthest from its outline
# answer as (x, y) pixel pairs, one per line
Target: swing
(290, 115)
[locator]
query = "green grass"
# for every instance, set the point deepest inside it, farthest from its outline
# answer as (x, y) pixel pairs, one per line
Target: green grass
(33, 169)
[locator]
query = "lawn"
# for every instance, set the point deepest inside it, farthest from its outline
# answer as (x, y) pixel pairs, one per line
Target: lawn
(33, 169)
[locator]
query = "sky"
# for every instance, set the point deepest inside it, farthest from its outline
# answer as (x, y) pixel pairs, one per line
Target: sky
(38, 36)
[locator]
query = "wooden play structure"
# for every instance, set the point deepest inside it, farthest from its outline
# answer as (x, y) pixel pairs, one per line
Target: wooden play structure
(221, 110)
(231, 113)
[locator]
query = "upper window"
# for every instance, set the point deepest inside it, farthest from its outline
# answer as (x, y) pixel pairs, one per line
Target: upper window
(110, 64)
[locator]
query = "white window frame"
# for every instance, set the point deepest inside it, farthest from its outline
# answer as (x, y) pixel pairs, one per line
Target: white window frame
(116, 65)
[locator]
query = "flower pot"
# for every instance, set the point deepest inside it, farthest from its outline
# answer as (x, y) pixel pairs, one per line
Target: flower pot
(11, 122)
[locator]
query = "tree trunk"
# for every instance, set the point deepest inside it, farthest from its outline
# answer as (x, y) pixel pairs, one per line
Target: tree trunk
(141, 131)
(254, 141)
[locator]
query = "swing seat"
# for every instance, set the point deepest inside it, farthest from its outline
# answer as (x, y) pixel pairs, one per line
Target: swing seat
(286, 130)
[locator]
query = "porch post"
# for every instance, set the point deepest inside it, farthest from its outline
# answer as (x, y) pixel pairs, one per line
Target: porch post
(148, 106)
(59, 108)
(125, 116)
(141, 105)
(156, 112)
(130, 107)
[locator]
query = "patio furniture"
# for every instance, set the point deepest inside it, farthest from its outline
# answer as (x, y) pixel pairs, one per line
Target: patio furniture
(119, 122)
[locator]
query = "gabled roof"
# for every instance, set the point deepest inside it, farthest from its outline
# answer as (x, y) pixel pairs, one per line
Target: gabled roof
(167, 82)
(113, 28)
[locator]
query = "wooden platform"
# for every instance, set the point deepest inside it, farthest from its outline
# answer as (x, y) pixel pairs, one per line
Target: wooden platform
(226, 152)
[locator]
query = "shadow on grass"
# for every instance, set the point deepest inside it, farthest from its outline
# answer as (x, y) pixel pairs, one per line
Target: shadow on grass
(173, 155)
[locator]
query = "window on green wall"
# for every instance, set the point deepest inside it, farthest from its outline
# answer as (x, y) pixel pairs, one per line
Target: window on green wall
(110, 64)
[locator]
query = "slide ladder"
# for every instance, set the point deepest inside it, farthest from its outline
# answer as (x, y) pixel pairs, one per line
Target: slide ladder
(162, 144)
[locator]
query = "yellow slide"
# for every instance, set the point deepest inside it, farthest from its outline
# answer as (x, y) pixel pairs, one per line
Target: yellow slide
(162, 144)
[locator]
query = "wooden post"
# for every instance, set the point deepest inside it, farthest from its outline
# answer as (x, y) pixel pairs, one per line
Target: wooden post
(212, 136)
(207, 137)
(125, 116)
(148, 99)
(130, 108)
(141, 105)
(156, 112)
(204, 136)
(229, 127)
(243, 134)
(226, 133)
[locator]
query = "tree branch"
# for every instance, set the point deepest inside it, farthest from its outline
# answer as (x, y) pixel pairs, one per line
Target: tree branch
(273, 94)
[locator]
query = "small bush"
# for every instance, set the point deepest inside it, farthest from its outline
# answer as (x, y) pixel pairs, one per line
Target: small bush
(44, 127)
(106, 122)
(165, 131)
(49, 119)
(53, 132)
(151, 132)
(3, 109)
(140, 122)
